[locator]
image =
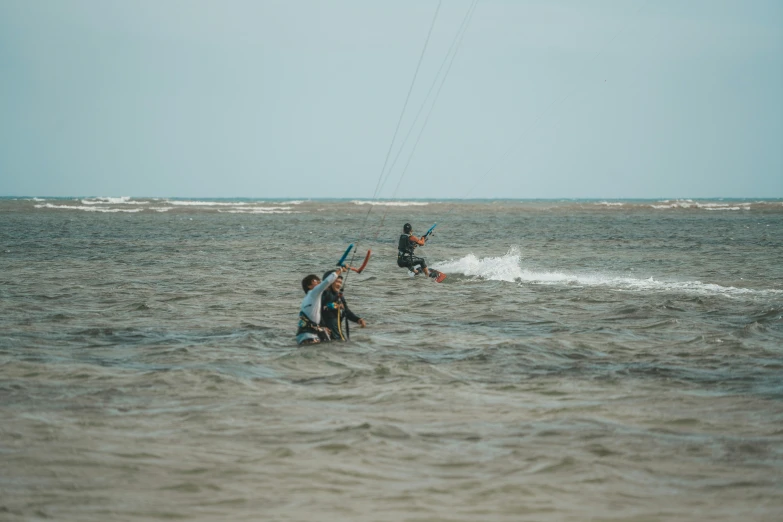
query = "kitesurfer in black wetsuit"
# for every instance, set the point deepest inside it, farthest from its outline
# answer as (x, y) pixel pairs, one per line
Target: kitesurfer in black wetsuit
(335, 311)
(405, 247)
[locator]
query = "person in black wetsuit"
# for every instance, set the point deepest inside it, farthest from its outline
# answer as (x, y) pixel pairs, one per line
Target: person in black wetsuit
(335, 311)
(405, 247)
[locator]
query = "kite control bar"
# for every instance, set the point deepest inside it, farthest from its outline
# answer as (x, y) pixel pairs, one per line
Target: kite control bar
(359, 270)
(425, 236)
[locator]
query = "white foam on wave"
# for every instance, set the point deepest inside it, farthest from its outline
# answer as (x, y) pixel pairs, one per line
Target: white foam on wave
(237, 204)
(689, 203)
(120, 204)
(196, 203)
(88, 208)
(392, 203)
(610, 203)
(122, 200)
(509, 268)
(504, 268)
(260, 210)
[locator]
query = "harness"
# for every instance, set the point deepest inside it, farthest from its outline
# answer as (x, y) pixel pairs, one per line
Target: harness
(306, 325)
(405, 247)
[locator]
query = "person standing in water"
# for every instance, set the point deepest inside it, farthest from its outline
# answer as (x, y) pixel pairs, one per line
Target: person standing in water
(335, 311)
(405, 251)
(309, 330)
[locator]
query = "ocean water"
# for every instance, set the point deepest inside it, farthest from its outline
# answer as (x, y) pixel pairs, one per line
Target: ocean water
(584, 360)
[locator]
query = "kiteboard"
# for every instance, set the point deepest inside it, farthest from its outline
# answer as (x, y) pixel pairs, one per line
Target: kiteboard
(437, 275)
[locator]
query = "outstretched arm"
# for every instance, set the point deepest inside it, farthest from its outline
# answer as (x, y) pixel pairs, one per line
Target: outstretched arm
(352, 316)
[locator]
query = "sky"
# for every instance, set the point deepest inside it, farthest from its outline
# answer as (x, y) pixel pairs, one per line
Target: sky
(305, 98)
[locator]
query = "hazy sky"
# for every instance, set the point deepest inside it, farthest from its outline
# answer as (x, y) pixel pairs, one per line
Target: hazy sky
(288, 98)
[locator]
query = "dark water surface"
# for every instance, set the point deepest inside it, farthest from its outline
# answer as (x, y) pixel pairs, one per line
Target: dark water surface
(584, 360)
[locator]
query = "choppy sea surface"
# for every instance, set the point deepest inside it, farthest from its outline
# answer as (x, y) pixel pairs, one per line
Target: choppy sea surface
(584, 360)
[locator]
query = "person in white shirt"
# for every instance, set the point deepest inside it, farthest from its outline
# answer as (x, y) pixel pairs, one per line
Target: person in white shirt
(309, 331)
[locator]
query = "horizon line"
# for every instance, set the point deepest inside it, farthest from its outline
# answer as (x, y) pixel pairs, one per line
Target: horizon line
(305, 198)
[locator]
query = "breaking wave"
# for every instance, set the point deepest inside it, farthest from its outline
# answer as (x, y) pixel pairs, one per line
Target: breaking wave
(392, 203)
(121, 204)
(123, 200)
(689, 203)
(88, 208)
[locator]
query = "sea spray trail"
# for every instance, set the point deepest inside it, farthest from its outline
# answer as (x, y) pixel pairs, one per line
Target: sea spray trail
(509, 267)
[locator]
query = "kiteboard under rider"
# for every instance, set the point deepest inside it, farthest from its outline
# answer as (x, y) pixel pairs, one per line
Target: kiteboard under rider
(405, 251)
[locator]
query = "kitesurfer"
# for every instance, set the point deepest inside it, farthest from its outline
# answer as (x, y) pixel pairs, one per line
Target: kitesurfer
(335, 311)
(309, 330)
(405, 247)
